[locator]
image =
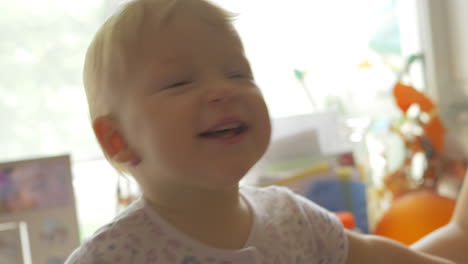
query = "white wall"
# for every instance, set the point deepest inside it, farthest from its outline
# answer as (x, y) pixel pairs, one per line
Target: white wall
(458, 21)
(445, 41)
(445, 45)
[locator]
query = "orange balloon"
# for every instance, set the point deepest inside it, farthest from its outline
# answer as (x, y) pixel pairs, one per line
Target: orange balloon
(415, 215)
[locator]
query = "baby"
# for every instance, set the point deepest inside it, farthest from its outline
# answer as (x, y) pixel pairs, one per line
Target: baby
(173, 102)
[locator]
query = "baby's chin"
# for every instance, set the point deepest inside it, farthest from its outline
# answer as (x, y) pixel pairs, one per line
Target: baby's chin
(224, 178)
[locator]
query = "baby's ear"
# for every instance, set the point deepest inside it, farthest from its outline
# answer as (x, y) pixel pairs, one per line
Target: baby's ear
(111, 139)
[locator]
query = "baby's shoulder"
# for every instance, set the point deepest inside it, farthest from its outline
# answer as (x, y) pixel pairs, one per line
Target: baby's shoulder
(280, 198)
(289, 216)
(272, 193)
(282, 205)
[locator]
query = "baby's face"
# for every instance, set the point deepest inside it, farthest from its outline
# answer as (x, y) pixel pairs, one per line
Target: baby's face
(195, 117)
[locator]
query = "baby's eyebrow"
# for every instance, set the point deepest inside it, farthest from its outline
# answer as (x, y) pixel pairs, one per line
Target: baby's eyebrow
(168, 63)
(170, 60)
(242, 64)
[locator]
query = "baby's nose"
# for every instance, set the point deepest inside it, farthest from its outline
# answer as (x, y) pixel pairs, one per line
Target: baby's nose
(221, 91)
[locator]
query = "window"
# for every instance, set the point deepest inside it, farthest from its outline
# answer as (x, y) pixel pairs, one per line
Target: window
(42, 105)
(350, 52)
(347, 52)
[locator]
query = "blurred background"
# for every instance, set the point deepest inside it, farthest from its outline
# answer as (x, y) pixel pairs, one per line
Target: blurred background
(308, 57)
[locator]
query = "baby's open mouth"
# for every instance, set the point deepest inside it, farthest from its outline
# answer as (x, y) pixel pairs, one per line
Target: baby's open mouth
(225, 131)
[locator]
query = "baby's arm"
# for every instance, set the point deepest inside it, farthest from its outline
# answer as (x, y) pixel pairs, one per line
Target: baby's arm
(460, 217)
(379, 250)
(450, 241)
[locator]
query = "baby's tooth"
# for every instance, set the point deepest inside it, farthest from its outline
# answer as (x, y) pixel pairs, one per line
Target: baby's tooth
(229, 126)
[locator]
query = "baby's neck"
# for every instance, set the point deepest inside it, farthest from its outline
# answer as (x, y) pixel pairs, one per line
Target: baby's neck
(193, 201)
(219, 218)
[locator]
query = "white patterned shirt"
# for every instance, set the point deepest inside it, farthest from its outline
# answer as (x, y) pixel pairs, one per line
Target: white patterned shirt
(287, 229)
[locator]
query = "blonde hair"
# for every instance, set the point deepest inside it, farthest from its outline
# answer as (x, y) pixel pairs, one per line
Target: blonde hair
(112, 58)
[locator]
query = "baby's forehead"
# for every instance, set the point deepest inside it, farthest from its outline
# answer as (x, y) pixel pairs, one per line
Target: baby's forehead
(177, 40)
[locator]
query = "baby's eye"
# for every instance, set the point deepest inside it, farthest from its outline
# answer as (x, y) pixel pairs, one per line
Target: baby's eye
(240, 75)
(178, 84)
